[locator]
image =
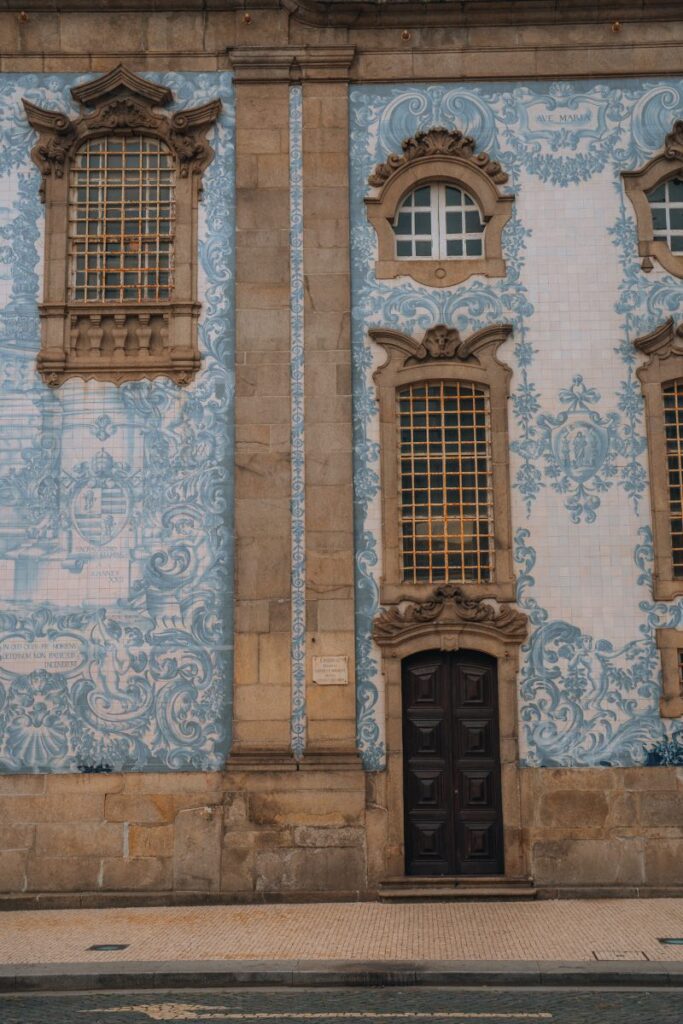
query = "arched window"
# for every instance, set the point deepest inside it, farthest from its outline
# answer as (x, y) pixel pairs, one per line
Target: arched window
(437, 210)
(444, 463)
(656, 191)
(439, 221)
(666, 204)
(121, 221)
(121, 182)
(446, 504)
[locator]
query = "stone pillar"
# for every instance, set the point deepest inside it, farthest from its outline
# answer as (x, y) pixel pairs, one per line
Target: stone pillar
(331, 710)
(262, 417)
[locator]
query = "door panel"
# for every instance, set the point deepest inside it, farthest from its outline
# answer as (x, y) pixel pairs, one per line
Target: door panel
(453, 818)
(427, 770)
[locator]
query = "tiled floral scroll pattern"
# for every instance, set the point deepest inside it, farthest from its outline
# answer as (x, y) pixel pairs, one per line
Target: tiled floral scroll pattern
(577, 297)
(116, 506)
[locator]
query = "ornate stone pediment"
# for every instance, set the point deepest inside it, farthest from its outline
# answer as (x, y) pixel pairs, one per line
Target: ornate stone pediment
(437, 142)
(123, 103)
(450, 609)
(666, 340)
(441, 343)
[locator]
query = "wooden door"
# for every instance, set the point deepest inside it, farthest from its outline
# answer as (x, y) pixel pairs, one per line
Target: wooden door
(451, 759)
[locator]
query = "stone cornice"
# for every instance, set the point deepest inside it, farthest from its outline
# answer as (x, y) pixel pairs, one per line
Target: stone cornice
(392, 14)
(291, 63)
(465, 13)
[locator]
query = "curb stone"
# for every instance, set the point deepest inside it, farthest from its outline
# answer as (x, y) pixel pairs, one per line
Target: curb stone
(71, 977)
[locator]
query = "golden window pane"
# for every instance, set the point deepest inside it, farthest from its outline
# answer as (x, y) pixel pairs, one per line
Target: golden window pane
(121, 219)
(446, 483)
(673, 425)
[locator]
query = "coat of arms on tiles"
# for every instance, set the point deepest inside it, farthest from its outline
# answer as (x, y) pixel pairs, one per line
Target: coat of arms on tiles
(101, 501)
(579, 448)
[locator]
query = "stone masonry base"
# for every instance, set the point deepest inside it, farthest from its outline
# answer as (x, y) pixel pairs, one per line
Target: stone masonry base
(250, 836)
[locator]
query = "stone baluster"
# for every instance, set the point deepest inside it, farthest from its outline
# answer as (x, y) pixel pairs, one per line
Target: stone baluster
(164, 333)
(119, 334)
(143, 333)
(73, 334)
(95, 333)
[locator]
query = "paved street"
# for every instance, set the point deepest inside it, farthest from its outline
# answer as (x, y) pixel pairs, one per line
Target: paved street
(577, 930)
(329, 1006)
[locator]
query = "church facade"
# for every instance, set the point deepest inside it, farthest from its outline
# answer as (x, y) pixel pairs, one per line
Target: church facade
(341, 451)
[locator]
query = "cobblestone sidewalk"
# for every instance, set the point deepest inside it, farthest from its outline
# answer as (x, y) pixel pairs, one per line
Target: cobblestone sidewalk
(563, 930)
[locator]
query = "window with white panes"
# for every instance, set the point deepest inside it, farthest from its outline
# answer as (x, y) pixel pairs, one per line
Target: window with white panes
(439, 221)
(666, 205)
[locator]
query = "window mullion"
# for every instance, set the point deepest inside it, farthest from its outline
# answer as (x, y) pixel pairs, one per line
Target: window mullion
(441, 221)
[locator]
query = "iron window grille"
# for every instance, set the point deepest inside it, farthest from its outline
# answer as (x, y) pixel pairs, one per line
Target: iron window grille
(446, 485)
(121, 221)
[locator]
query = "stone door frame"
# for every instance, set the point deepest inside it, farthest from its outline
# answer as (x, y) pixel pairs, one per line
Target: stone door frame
(450, 622)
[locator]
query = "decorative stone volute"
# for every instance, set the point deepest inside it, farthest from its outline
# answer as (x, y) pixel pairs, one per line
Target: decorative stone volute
(673, 143)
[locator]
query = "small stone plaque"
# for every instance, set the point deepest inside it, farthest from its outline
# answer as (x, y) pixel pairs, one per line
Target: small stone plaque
(331, 670)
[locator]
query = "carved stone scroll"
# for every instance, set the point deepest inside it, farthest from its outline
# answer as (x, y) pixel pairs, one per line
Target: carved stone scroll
(451, 609)
(437, 142)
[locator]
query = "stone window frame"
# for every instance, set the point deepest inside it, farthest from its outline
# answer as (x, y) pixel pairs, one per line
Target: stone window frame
(444, 356)
(670, 646)
(664, 348)
(120, 341)
(661, 168)
(439, 155)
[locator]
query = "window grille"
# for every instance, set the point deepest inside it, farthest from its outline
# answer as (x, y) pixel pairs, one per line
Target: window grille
(439, 221)
(121, 217)
(673, 424)
(446, 482)
(666, 204)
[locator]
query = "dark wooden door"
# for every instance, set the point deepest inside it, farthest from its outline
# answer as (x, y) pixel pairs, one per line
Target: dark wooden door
(451, 759)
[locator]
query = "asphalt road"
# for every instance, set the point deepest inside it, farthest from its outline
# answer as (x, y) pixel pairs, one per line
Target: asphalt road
(345, 1006)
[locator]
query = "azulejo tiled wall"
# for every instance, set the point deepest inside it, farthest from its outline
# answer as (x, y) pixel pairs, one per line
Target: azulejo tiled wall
(116, 545)
(590, 678)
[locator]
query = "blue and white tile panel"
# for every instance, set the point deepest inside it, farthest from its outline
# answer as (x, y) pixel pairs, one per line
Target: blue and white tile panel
(115, 633)
(590, 678)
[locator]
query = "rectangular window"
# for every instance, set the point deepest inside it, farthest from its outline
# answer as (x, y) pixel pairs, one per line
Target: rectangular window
(673, 423)
(446, 482)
